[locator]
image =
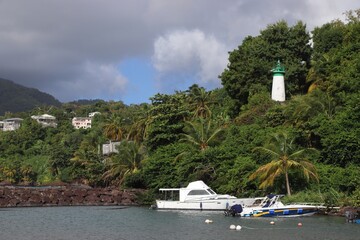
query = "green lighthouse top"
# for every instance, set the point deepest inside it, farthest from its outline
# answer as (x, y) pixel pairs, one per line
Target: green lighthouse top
(278, 70)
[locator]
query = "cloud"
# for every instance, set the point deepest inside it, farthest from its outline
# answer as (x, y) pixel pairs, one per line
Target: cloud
(50, 45)
(184, 52)
(96, 80)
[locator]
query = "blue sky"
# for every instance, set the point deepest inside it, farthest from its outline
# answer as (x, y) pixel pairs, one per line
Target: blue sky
(130, 50)
(142, 85)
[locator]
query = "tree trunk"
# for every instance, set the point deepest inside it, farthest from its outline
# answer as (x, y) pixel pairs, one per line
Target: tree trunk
(287, 183)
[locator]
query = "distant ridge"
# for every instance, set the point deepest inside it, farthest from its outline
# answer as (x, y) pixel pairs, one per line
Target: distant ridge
(17, 98)
(86, 101)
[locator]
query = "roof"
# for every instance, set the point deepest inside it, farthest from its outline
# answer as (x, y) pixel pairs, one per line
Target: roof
(44, 116)
(13, 119)
(81, 118)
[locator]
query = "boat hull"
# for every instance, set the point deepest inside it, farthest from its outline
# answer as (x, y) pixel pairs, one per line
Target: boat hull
(206, 205)
(280, 212)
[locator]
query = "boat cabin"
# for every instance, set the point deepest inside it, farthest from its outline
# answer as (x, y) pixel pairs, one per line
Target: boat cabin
(195, 190)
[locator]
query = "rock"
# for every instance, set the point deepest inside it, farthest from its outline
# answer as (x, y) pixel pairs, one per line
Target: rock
(11, 196)
(5, 183)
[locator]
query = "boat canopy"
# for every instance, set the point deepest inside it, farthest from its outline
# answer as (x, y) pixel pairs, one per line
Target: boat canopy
(194, 190)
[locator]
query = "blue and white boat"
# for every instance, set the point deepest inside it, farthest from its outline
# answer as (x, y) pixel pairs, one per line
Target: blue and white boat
(271, 206)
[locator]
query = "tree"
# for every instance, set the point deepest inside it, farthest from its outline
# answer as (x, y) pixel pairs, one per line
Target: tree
(284, 157)
(139, 128)
(168, 113)
(303, 108)
(113, 129)
(87, 162)
(201, 133)
(250, 64)
(59, 159)
(126, 162)
(336, 55)
(199, 101)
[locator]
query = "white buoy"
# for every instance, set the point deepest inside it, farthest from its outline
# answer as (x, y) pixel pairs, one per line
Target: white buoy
(278, 84)
(232, 227)
(272, 222)
(238, 227)
(208, 221)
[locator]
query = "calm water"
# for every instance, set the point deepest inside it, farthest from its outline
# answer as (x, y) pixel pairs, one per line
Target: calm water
(108, 223)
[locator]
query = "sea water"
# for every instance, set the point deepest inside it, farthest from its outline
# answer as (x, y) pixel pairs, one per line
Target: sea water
(135, 223)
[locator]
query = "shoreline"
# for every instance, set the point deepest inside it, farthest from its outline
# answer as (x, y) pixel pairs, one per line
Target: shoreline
(67, 195)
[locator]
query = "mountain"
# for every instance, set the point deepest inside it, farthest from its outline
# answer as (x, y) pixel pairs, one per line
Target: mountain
(17, 98)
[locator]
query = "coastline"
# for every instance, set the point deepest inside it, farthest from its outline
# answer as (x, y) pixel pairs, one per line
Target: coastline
(66, 195)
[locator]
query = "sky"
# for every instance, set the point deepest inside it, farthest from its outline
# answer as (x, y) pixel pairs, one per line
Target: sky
(130, 50)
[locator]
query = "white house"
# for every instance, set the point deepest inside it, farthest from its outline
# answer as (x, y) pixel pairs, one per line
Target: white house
(10, 124)
(81, 122)
(45, 120)
(110, 148)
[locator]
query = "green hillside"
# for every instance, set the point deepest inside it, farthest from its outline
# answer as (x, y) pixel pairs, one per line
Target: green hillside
(235, 138)
(16, 98)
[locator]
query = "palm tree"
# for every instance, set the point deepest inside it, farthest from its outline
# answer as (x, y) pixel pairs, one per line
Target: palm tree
(199, 101)
(8, 174)
(127, 161)
(308, 106)
(113, 129)
(138, 130)
(201, 133)
(88, 161)
(284, 157)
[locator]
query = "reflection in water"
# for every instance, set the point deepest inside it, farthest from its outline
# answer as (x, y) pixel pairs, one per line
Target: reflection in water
(107, 223)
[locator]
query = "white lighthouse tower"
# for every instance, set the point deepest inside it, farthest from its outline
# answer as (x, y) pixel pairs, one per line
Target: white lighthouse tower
(278, 84)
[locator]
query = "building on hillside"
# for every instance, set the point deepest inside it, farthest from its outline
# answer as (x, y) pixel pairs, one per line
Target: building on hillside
(92, 114)
(45, 120)
(109, 148)
(81, 122)
(11, 124)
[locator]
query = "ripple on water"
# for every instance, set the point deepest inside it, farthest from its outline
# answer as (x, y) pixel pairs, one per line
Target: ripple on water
(107, 223)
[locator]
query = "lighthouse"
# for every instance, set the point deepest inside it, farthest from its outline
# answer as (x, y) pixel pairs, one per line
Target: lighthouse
(278, 84)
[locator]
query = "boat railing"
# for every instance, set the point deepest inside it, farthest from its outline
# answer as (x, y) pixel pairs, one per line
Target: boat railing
(320, 206)
(308, 203)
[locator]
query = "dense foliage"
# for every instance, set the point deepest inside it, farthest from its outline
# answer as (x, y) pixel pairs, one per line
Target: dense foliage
(215, 135)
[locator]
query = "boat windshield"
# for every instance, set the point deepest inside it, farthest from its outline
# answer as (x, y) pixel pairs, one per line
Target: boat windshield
(198, 192)
(211, 191)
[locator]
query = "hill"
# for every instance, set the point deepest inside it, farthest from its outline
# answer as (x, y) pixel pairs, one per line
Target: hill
(17, 98)
(85, 102)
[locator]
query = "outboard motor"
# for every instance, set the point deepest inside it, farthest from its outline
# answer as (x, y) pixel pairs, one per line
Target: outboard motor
(234, 210)
(351, 217)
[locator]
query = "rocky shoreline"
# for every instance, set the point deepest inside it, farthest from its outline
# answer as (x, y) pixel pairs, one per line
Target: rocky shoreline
(71, 195)
(83, 195)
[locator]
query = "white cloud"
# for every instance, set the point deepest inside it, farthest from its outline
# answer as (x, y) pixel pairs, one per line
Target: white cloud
(192, 52)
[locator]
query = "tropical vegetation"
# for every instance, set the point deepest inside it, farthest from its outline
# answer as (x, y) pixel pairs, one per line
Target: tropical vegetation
(235, 138)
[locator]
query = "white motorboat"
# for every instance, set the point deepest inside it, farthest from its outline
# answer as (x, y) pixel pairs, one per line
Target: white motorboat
(271, 206)
(198, 196)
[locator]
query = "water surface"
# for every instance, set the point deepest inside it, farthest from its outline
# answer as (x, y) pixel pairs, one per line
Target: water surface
(108, 223)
